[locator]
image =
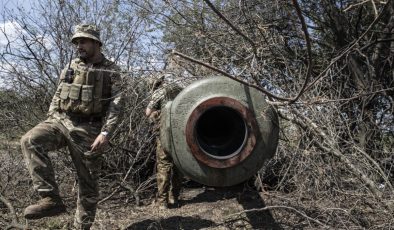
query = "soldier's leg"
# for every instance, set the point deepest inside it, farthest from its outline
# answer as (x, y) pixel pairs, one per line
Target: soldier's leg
(87, 172)
(163, 174)
(176, 185)
(35, 145)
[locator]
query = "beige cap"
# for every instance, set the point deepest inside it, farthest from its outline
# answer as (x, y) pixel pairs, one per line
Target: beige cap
(86, 31)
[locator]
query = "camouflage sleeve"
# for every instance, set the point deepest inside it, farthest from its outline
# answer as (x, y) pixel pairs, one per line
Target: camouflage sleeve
(114, 108)
(157, 97)
(54, 106)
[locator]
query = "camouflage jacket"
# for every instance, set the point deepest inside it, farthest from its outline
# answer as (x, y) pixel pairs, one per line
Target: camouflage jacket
(110, 95)
(165, 93)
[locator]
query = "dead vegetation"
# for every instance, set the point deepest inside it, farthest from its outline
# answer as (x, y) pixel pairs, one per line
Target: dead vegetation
(326, 65)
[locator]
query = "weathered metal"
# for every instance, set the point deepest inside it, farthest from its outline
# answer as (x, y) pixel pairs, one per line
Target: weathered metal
(219, 132)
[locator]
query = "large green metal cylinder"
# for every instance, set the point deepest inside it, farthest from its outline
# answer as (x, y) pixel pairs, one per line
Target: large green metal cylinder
(219, 132)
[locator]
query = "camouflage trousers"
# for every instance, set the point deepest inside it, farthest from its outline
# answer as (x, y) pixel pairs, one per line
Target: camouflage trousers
(54, 134)
(168, 177)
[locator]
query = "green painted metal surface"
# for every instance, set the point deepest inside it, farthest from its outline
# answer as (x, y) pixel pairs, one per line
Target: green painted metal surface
(199, 102)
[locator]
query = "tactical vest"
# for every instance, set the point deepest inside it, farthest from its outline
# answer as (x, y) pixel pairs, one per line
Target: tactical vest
(89, 92)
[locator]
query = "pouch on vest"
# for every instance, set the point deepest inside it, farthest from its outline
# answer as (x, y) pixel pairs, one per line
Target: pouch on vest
(75, 91)
(65, 91)
(86, 106)
(73, 101)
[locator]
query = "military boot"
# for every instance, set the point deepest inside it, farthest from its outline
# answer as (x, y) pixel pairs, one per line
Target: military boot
(162, 206)
(161, 203)
(48, 206)
(173, 199)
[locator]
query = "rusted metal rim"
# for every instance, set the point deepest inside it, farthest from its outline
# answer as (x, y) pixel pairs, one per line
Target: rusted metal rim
(240, 154)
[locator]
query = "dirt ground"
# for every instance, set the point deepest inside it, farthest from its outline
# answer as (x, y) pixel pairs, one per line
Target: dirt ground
(200, 208)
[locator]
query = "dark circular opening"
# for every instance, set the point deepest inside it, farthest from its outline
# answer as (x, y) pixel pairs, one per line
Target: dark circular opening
(221, 132)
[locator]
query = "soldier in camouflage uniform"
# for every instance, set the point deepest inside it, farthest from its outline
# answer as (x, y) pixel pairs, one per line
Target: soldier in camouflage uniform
(82, 116)
(168, 178)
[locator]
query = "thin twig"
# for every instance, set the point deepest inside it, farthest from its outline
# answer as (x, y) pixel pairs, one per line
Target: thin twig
(280, 207)
(309, 50)
(377, 166)
(229, 75)
(315, 102)
(329, 146)
(229, 23)
(14, 218)
(347, 50)
(354, 5)
(308, 44)
(110, 195)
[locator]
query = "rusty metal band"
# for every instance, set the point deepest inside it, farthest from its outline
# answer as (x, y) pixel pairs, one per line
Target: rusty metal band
(251, 129)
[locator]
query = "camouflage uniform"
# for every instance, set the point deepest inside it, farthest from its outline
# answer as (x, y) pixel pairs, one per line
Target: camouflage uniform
(168, 177)
(80, 110)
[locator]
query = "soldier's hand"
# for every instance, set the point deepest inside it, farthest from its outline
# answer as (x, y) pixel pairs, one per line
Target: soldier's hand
(155, 115)
(148, 112)
(99, 143)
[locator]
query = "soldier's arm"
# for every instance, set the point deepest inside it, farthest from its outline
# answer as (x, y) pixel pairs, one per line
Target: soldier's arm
(54, 106)
(153, 109)
(154, 103)
(114, 108)
(148, 112)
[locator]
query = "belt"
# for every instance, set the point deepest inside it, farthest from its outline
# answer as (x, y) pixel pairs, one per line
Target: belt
(84, 119)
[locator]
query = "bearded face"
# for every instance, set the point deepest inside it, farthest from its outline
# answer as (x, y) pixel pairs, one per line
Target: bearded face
(86, 48)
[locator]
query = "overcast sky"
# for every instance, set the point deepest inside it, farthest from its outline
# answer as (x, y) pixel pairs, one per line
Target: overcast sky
(13, 4)
(11, 7)
(7, 7)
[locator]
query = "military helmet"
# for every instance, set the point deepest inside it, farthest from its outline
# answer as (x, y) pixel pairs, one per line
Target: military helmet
(86, 31)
